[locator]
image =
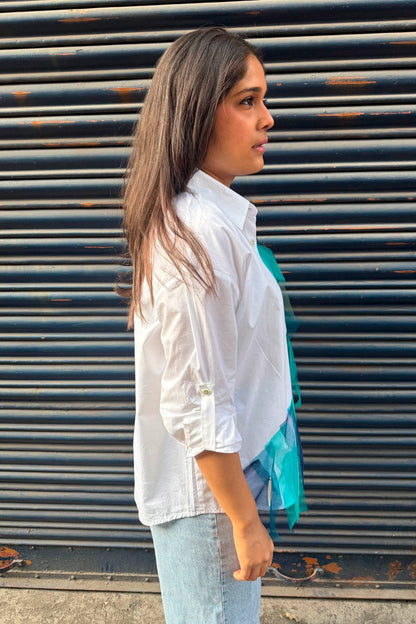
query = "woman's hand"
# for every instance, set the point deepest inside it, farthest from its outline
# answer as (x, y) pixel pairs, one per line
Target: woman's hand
(226, 479)
(254, 551)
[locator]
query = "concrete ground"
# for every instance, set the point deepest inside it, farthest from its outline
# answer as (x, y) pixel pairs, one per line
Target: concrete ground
(36, 606)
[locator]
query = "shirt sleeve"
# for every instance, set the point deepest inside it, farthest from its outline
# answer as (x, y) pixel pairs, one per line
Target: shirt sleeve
(199, 338)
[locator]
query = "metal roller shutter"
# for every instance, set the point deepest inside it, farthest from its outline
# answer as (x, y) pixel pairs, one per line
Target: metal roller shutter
(336, 204)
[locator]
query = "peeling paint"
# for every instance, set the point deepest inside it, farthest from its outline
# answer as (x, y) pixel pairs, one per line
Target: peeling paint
(79, 19)
(363, 580)
(333, 567)
(8, 553)
(311, 564)
(49, 122)
(305, 199)
(394, 113)
(342, 115)
(412, 569)
(84, 143)
(9, 557)
(126, 92)
(395, 567)
(21, 95)
(359, 80)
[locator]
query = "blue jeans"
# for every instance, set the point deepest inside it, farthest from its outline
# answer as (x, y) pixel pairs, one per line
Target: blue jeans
(196, 559)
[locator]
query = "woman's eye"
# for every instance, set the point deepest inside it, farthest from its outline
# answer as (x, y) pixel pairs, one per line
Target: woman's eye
(248, 101)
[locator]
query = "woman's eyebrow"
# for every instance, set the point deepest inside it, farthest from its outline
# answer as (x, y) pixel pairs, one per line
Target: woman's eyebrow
(256, 89)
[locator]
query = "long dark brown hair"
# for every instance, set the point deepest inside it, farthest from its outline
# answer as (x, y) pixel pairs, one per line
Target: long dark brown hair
(191, 79)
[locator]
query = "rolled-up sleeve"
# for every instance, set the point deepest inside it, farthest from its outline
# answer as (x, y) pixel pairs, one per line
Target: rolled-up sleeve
(200, 340)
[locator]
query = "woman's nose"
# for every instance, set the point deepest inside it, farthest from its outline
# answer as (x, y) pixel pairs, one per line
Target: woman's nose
(267, 120)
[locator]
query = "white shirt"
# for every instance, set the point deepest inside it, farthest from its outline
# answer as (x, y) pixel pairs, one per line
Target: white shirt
(212, 371)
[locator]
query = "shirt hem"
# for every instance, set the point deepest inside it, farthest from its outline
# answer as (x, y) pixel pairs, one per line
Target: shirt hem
(154, 520)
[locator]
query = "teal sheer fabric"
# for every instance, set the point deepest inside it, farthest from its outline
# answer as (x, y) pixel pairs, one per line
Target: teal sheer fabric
(275, 476)
(292, 322)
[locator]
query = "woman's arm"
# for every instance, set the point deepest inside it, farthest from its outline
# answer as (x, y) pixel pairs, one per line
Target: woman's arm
(225, 477)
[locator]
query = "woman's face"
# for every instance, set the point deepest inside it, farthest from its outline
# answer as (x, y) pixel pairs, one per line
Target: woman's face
(237, 142)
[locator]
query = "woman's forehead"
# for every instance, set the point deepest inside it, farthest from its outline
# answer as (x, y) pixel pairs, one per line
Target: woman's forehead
(253, 80)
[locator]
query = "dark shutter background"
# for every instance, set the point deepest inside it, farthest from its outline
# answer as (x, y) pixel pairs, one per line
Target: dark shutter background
(336, 204)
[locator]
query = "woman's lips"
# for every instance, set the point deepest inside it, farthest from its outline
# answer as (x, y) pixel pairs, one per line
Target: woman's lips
(259, 147)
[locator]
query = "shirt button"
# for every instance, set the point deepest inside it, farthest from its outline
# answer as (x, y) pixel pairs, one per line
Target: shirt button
(252, 242)
(206, 391)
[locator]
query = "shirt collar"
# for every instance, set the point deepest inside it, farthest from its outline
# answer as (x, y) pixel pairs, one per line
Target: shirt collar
(235, 206)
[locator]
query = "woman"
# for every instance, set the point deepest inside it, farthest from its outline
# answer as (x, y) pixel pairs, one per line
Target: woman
(212, 371)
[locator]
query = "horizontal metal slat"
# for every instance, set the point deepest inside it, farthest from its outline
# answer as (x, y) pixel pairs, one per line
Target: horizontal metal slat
(282, 26)
(336, 87)
(373, 182)
(297, 275)
(91, 274)
(374, 526)
(377, 439)
(375, 297)
(67, 393)
(350, 396)
(87, 372)
(69, 495)
(167, 15)
(27, 5)
(280, 157)
(103, 349)
(74, 327)
(52, 416)
(85, 245)
(349, 270)
(349, 373)
(368, 181)
(294, 124)
(49, 95)
(22, 162)
(344, 213)
(96, 299)
(310, 351)
(102, 298)
(143, 17)
(97, 218)
(349, 241)
(67, 461)
(88, 127)
(50, 214)
(59, 477)
(278, 50)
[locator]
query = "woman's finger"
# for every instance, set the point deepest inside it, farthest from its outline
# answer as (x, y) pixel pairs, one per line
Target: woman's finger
(244, 574)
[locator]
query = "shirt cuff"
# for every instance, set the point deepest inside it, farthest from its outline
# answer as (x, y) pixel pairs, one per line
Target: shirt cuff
(211, 428)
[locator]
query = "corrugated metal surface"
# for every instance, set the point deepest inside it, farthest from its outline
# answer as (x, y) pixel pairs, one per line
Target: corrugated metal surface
(337, 205)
